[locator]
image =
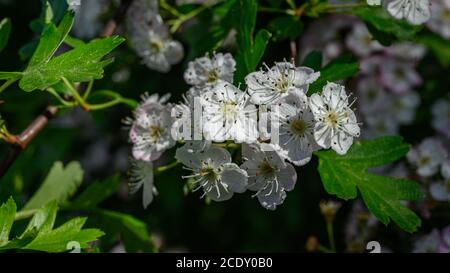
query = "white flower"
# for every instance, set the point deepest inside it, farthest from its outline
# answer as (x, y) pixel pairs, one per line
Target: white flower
(427, 157)
(296, 128)
(268, 175)
(440, 191)
(150, 131)
(398, 75)
(214, 173)
(403, 107)
(379, 125)
(152, 41)
(407, 51)
(371, 96)
(87, 22)
(428, 243)
(416, 12)
(373, 2)
(266, 87)
(360, 41)
(141, 176)
(440, 18)
(336, 124)
(204, 73)
(441, 116)
(227, 115)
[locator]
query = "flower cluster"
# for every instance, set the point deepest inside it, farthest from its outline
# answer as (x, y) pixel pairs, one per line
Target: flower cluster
(416, 12)
(434, 242)
(273, 123)
(150, 37)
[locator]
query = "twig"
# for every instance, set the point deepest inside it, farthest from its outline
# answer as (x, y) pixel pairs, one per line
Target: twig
(20, 142)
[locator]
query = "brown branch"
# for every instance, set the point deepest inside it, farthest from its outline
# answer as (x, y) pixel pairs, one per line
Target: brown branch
(21, 141)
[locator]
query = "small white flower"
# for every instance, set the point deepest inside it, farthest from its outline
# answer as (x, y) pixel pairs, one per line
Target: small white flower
(204, 73)
(361, 42)
(416, 12)
(406, 51)
(428, 243)
(371, 96)
(269, 176)
(336, 124)
(141, 176)
(152, 42)
(266, 87)
(296, 128)
(150, 131)
(398, 75)
(427, 157)
(440, 18)
(379, 125)
(373, 2)
(440, 191)
(441, 116)
(87, 22)
(403, 107)
(213, 172)
(227, 115)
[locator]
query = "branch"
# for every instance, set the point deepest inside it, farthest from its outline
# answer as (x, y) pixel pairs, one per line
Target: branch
(20, 142)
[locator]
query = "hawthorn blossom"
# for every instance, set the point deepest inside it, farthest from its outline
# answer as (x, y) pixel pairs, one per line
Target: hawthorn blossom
(371, 95)
(440, 191)
(440, 18)
(361, 42)
(406, 51)
(150, 37)
(296, 128)
(434, 242)
(416, 12)
(441, 116)
(403, 107)
(398, 75)
(268, 174)
(379, 125)
(270, 85)
(150, 131)
(87, 22)
(336, 124)
(427, 157)
(205, 72)
(213, 172)
(141, 176)
(227, 115)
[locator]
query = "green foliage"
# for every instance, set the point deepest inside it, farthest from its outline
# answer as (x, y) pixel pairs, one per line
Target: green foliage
(439, 46)
(384, 27)
(339, 69)
(80, 64)
(347, 174)
(313, 60)
(285, 27)
(251, 48)
(59, 185)
(5, 30)
(96, 193)
(132, 231)
(39, 234)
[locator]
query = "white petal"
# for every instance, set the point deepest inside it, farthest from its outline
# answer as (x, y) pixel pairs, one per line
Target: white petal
(219, 193)
(323, 135)
(439, 192)
(341, 142)
(287, 177)
(234, 177)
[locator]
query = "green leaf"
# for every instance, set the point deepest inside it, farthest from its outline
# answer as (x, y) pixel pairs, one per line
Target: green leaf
(133, 232)
(5, 30)
(438, 45)
(251, 49)
(39, 233)
(78, 65)
(52, 37)
(347, 174)
(339, 69)
(313, 60)
(10, 75)
(285, 27)
(57, 239)
(96, 193)
(59, 185)
(7, 214)
(384, 27)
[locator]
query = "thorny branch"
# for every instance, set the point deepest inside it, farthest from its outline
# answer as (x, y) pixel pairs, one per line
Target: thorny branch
(21, 141)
